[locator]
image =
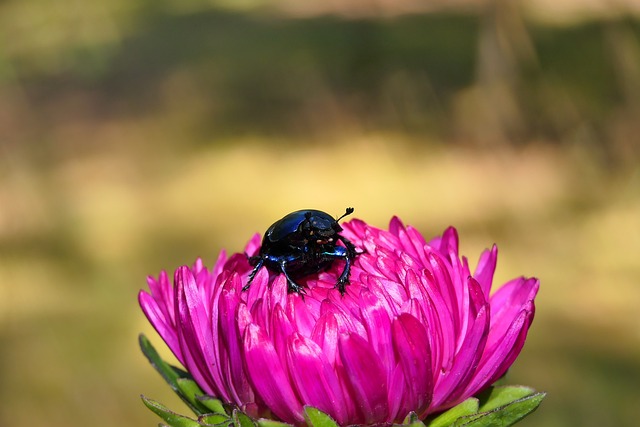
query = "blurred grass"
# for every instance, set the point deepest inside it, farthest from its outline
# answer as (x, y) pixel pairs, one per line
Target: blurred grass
(134, 138)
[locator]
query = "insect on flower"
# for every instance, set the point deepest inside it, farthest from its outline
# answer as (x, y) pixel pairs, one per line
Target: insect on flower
(302, 243)
(419, 331)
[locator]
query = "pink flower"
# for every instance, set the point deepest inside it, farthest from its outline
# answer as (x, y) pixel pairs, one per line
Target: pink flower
(415, 331)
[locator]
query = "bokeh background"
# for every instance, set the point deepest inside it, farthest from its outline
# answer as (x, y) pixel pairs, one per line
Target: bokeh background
(137, 136)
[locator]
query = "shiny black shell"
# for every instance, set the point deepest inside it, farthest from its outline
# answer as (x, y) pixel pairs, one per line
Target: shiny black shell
(304, 242)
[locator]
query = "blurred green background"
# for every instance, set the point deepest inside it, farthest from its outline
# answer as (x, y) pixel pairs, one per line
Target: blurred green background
(136, 136)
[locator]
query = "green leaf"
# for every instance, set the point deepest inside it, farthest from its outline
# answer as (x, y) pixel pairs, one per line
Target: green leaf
(165, 370)
(503, 416)
(412, 420)
(264, 422)
(317, 418)
(212, 404)
(240, 419)
(179, 380)
(170, 417)
(191, 391)
(494, 397)
(220, 420)
(466, 408)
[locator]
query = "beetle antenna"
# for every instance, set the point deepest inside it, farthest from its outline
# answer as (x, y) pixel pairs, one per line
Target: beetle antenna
(348, 211)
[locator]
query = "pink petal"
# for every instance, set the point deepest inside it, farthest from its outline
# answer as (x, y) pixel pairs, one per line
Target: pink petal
(314, 377)
(411, 344)
(419, 243)
(158, 320)
(253, 247)
(325, 334)
(443, 338)
(216, 271)
(419, 297)
(501, 351)
(507, 302)
(512, 311)
(365, 377)
(443, 282)
(355, 229)
(449, 242)
(230, 339)
(396, 227)
(276, 294)
(192, 329)
(268, 377)
(399, 404)
(345, 318)
(375, 317)
(392, 291)
(300, 313)
(162, 291)
(452, 385)
(258, 299)
(486, 268)
(411, 242)
(219, 352)
(281, 329)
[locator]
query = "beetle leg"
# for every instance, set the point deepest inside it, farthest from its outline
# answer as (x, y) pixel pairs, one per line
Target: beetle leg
(351, 249)
(292, 286)
(344, 277)
(350, 255)
(347, 253)
(254, 272)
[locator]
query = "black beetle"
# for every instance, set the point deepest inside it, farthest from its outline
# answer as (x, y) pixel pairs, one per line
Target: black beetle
(302, 243)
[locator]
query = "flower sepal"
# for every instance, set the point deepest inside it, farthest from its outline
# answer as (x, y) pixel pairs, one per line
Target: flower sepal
(172, 418)
(182, 384)
(500, 406)
(470, 413)
(412, 420)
